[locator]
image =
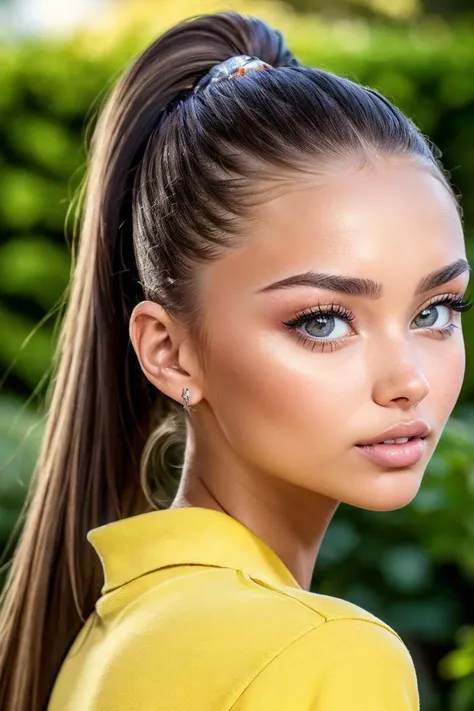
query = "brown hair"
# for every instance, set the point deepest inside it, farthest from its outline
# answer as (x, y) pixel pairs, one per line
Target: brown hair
(171, 176)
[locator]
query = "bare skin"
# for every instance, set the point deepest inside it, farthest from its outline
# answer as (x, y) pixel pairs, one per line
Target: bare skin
(275, 420)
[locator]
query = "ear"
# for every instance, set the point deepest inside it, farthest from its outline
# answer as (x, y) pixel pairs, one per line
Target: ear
(165, 352)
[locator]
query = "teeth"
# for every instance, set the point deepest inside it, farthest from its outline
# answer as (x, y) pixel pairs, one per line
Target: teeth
(400, 440)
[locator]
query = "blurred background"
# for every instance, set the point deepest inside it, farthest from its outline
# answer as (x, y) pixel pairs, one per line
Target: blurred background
(413, 567)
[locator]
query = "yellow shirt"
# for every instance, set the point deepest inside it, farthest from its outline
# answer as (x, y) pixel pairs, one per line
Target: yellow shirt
(197, 613)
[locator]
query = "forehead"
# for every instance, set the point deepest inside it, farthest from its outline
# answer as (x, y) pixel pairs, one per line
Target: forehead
(379, 203)
(391, 220)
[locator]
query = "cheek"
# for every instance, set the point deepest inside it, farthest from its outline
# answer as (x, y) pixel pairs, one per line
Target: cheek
(278, 403)
(446, 379)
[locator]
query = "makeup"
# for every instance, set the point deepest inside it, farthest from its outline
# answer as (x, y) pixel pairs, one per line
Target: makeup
(395, 455)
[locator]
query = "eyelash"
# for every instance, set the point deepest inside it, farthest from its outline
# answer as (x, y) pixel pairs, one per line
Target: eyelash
(457, 303)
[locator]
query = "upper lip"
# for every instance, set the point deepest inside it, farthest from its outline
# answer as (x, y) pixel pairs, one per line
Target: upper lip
(416, 428)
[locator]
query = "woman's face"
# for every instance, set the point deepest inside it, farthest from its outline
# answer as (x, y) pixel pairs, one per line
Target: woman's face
(294, 402)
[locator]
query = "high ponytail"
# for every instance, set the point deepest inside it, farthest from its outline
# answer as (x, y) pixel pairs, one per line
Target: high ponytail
(102, 409)
(157, 145)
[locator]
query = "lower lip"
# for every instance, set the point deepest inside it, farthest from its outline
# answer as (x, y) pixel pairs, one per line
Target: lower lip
(395, 455)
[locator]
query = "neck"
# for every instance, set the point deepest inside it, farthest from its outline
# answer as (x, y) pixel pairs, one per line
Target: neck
(290, 520)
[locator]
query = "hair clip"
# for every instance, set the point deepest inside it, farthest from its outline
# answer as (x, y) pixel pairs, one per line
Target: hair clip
(234, 66)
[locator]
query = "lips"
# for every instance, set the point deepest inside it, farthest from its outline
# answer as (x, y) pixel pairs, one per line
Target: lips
(395, 455)
(412, 430)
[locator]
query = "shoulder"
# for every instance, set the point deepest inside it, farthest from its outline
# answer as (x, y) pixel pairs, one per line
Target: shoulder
(308, 608)
(318, 652)
(244, 644)
(345, 663)
(346, 658)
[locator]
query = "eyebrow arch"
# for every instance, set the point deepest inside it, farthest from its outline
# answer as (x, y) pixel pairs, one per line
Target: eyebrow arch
(355, 286)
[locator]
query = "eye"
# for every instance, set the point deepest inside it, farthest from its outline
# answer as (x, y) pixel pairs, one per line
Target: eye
(452, 303)
(325, 326)
(430, 315)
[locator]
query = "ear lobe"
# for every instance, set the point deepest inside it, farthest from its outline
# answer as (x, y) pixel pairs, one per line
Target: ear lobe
(159, 342)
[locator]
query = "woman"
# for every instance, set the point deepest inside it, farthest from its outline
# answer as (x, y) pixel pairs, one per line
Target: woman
(272, 269)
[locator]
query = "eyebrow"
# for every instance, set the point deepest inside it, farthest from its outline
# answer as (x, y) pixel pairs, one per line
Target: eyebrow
(355, 286)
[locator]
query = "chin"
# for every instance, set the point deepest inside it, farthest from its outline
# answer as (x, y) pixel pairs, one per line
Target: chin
(391, 491)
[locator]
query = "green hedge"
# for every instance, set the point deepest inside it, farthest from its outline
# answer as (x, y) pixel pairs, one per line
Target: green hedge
(413, 567)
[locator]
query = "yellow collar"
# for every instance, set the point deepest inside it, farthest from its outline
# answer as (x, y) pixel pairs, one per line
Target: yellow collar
(137, 545)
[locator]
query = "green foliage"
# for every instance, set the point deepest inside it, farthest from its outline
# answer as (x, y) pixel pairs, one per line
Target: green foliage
(459, 665)
(20, 436)
(387, 10)
(413, 567)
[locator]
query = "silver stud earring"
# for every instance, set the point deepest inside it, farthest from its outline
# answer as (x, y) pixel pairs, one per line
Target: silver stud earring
(185, 396)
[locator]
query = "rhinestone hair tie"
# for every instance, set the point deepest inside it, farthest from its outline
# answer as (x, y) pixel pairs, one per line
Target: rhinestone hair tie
(232, 67)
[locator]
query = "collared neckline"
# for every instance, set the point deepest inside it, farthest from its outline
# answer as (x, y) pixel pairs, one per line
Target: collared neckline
(140, 544)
